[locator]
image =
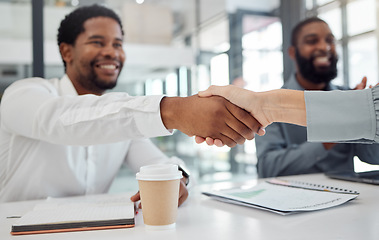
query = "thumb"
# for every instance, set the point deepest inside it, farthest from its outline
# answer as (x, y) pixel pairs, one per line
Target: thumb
(216, 90)
(212, 90)
(136, 197)
(206, 93)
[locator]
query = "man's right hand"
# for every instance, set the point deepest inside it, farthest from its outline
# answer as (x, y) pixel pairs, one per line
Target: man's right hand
(362, 84)
(213, 117)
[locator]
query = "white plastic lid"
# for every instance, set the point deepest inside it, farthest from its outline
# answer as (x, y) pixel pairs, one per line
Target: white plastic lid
(158, 172)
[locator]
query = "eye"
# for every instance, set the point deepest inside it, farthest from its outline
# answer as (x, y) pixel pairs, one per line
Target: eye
(117, 45)
(97, 43)
(331, 40)
(311, 41)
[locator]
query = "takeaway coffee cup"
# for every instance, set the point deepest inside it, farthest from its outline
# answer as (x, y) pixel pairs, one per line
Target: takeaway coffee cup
(159, 191)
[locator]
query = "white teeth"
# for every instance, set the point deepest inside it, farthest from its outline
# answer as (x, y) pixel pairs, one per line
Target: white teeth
(322, 59)
(111, 67)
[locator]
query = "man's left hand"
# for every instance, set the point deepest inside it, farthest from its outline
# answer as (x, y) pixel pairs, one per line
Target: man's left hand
(183, 194)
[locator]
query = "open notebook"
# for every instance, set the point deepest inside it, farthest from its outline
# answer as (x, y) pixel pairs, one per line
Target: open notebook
(77, 214)
(285, 197)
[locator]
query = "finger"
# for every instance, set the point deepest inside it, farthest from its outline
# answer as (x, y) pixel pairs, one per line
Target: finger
(136, 197)
(362, 84)
(231, 138)
(183, 193)
(209, 141)
(199, 140)
(214, 90)
(218, 143)
(261, 131)
(364, 81)
(206, 93)
(245, 124)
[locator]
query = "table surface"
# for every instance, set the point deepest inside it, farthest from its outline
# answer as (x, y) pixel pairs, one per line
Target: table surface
(201, 217)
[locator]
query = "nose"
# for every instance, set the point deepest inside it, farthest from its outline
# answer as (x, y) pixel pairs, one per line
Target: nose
(324, 45)
(109, 51)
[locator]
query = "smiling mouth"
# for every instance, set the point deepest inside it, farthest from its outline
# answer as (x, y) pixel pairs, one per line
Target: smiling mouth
(322, 61)
(107, 66)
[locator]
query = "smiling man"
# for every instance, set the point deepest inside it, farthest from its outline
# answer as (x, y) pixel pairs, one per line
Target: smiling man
(68, 136)
(284, 149)
(94, 61)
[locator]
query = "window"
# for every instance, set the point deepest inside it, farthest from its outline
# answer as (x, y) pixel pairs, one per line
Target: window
(363, 60)
(262, 54)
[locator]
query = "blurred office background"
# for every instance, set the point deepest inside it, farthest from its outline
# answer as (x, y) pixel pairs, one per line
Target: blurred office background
(179, 47)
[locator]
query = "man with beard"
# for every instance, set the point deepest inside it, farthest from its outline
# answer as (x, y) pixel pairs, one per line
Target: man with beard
(284, 149)
(65, 137)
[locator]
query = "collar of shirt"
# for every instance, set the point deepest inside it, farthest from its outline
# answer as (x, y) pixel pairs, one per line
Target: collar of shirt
(66, 87)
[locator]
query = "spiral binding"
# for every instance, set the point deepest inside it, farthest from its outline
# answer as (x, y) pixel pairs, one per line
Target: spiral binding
(310, 186)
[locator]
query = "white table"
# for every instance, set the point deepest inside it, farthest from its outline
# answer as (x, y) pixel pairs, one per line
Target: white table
(203, 218)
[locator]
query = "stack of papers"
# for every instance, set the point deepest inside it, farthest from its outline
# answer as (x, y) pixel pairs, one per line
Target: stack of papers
(77, 214)
(285, 197)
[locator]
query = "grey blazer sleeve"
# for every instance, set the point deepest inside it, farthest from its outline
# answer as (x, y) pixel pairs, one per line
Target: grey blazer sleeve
(343, 116)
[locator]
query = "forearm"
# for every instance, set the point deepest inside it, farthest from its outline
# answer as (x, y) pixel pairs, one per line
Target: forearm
(36, 111)
(281, 105)
(367, 153)
(295, 159)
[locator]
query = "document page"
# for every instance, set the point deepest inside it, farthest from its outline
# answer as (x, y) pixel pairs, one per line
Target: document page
(282, 198)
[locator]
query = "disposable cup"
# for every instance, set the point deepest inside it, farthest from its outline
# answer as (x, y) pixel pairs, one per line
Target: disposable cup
(159, 191)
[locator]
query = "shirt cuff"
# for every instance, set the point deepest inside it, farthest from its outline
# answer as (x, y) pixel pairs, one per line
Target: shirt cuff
(375, 97)
(151, 125)
(334, 116)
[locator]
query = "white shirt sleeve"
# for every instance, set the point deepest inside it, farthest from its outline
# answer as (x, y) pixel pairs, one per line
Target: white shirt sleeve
(342, 116)
(34, 109)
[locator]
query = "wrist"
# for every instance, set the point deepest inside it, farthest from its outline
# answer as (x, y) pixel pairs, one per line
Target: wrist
(169, 112)
(285, 105)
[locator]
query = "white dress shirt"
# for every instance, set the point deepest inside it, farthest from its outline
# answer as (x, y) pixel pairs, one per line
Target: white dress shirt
(56, 143)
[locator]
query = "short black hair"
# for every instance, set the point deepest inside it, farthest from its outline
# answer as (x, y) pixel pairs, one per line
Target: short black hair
(296, 30)
(72, 25)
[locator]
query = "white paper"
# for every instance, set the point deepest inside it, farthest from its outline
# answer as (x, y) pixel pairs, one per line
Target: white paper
(92, 208)
(283, 198)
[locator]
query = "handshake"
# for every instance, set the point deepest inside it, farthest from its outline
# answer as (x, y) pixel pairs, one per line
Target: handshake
(228, 115)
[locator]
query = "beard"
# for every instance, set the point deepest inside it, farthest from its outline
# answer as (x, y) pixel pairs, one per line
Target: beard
(321, 75)
(93, 82)
(101, 83)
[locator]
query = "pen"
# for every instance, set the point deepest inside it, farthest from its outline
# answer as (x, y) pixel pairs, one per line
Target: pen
(136, 207)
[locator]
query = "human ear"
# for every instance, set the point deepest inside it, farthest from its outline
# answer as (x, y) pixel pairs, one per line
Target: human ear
(66, 52)
(292, 52)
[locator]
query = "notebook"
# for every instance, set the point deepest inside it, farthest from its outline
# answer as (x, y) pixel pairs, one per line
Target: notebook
(285, 197)
(77, 214)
